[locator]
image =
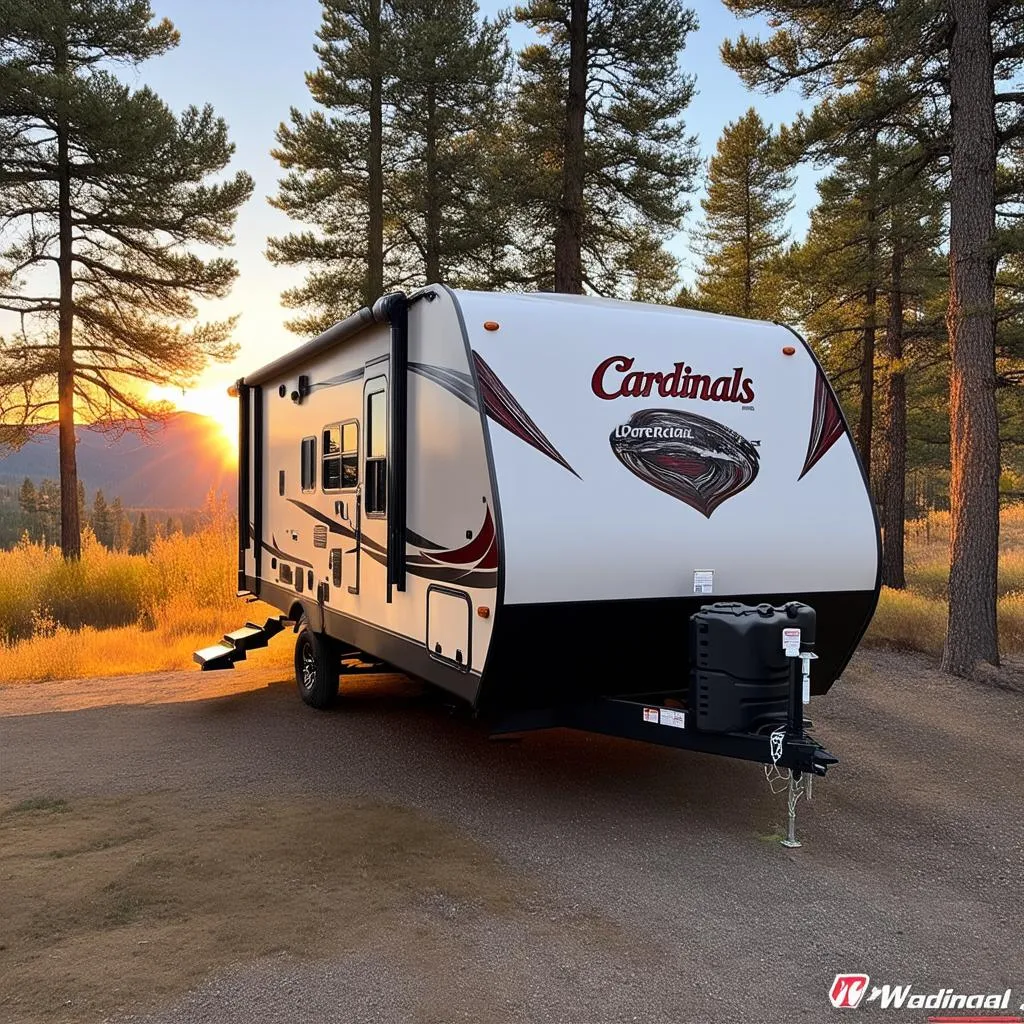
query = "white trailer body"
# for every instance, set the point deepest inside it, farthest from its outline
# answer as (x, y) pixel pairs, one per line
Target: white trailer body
(523, 498)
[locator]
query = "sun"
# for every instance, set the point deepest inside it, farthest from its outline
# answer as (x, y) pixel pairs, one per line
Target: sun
(217, 406)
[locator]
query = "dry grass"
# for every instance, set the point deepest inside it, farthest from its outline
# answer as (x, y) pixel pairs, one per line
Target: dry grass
(915, 619)
(119, 614)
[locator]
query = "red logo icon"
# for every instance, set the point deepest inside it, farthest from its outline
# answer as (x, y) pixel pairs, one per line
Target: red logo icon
(848, 990)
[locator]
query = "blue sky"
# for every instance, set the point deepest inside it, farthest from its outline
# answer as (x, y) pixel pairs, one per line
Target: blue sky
(248, 60)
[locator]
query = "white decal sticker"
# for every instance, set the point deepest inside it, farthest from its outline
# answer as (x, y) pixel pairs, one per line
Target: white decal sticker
(791, 642)
(651, 715)
(677, 719)
(703, 581)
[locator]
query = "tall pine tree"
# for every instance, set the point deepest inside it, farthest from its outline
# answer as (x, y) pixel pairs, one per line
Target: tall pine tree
(102, 523)
(394, 171)
(839, 272)
(334, 180)
(449, 92)
(103, 183)
(741, 240)
(604, 161)
(939, 70)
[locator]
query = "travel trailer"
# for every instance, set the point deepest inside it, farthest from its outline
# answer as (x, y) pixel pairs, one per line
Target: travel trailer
(566, 510)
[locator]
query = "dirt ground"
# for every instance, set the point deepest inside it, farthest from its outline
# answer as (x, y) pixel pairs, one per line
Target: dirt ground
(185, 847)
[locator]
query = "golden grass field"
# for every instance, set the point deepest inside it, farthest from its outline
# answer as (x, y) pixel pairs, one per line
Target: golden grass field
(915, 619)
(120, 614)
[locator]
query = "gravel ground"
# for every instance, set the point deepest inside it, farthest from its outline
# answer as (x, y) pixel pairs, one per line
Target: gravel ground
(649, 884)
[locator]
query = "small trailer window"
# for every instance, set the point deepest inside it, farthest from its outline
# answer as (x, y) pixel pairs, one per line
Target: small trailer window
(340, 456)
(309, 463)
(376, 452)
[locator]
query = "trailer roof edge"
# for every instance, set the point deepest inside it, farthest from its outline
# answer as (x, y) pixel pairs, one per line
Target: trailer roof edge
(343, 329)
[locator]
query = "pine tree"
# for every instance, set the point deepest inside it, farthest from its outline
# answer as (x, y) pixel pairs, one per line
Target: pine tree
(604, 161)
(80, 489)
(28, 500)
(104, 183)
(120, 526)
(840, 275)
(49, 511)
(397, 172)
(140, 536)
(742, 237)
(448, 93)
(334, 160)
(102, 524)
(933, 69)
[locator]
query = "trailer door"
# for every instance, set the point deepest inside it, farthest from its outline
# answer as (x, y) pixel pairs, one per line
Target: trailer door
(373, 539)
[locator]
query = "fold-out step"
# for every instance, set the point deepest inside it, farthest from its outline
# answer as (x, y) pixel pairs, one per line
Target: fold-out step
(234, 645)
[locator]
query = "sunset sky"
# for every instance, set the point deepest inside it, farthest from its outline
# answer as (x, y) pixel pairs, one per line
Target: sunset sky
(248, 60)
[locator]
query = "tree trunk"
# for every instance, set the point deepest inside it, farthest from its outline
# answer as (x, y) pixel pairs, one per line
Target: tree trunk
(971, 635)
(893, 446)
(70, 525)
(375, 164)
(569, 231)
(865, 423)
(748, 248)
(432, 214)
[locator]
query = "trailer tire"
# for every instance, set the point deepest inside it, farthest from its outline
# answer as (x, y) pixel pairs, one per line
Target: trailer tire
(317, 668)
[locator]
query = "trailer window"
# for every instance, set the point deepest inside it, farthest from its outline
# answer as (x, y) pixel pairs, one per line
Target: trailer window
(340, 470)
(376, 453)
(308, 463)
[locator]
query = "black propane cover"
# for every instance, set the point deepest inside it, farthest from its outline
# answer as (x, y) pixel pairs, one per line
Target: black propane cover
(739, 675)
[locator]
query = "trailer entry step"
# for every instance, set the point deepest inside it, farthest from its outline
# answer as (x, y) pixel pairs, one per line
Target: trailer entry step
(234, 645)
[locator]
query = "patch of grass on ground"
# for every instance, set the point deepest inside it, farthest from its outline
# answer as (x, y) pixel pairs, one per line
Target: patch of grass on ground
(38, 803)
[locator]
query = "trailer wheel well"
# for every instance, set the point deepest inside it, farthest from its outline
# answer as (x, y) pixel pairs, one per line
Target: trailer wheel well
(296, 612)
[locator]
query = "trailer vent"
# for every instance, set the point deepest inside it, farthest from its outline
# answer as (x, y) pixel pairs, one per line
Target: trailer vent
(320, 536)
(336, 566)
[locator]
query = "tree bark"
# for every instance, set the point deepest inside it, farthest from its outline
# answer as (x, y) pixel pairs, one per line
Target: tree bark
(971, 635)
(375, 163)
(893, 443)
(865, 423)
(70, 525)
(432, 214)
(748, 247)
(569, 230)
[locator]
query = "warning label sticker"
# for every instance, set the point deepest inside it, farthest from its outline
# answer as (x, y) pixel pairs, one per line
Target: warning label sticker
(676, 719)
(651, 715)
(791, 642)
(703, 581)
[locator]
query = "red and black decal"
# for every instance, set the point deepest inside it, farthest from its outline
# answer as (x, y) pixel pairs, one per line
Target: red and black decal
(699, 461)
(503, 408)
(826, 424)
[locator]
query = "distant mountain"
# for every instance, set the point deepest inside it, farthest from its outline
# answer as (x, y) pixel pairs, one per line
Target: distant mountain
(173, 468)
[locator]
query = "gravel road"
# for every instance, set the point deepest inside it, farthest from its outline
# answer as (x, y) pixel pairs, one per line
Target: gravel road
(639, 884)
